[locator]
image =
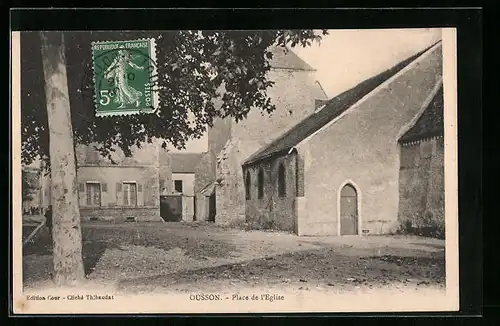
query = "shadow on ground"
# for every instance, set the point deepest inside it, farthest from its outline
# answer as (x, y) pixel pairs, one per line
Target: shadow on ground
(143, 235)
(37, 254)
(429, 245)
(40, 244)
(319, 267)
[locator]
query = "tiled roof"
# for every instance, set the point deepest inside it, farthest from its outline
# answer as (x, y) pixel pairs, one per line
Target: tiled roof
(288, 60)
(332, 109)
(184, 162)
(431, 122)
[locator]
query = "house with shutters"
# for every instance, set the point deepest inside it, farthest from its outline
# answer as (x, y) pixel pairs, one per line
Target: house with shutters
(338, 170)
(132, 188)
(119, 188)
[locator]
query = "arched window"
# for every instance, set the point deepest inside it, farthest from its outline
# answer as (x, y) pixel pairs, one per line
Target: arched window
(281, 181)
(261, 183)
(247, 186)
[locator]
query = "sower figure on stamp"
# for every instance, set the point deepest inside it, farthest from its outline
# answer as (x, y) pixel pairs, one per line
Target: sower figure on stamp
(125, 94)
(48, 219)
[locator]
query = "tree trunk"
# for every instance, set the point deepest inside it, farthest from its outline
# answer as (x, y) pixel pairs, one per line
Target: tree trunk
(67, 235)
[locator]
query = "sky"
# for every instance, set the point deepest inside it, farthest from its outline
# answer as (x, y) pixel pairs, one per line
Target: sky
(345, 58)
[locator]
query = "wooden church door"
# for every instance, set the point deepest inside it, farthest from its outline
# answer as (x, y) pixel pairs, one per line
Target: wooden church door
(348, 210)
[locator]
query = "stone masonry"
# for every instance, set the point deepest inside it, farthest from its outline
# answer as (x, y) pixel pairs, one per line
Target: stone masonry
(295, 94)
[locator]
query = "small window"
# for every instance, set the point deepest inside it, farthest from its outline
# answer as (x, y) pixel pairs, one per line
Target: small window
(178, 185)
(281, 181)
(93, 194)
(261, 183)
(129, 194)
(247, 186)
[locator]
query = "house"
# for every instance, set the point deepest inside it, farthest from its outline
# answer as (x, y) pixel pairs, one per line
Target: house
(119, 188)
(421, 174)
(177, 175)
(133, 188)
(183, 166)
(337, 171)
(219, 188)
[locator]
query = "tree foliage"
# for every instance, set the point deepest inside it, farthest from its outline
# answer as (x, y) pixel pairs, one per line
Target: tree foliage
(28, 187)
(192, 68)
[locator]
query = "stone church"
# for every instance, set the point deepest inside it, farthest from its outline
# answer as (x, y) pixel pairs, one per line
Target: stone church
(219, 188)
(337, 171)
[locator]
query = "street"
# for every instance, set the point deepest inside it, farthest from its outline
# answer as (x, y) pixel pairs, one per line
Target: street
(181, 257)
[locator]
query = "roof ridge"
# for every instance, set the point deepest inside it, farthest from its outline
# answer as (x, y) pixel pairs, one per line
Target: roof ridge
(410, 59)
(336, 106)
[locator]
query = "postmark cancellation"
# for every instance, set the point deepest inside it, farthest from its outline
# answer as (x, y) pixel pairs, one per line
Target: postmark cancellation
(124, 74)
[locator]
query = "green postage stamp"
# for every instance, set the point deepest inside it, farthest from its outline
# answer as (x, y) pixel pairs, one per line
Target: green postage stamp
(124, 77)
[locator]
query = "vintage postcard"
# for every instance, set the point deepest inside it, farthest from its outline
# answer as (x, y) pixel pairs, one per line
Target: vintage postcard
(235, 171)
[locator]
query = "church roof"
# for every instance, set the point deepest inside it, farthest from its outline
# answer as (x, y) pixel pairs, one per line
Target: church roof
(431, 122)
(285, 58)
(332, 109)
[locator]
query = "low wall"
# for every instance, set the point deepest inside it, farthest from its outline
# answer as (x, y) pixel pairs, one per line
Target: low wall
(146, 214)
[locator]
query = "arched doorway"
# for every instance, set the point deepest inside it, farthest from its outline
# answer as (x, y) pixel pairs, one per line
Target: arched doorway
(348, 210)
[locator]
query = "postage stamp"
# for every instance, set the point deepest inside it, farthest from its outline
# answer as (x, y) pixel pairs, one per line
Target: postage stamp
(123, 75)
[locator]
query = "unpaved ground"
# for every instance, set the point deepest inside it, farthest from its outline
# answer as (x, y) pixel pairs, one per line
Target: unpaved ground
(161, 257)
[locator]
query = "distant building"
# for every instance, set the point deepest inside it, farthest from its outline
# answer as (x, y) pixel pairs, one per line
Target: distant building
(183, 167)
(337, 171)
(177, 175)
(32, 196)
(219, 188)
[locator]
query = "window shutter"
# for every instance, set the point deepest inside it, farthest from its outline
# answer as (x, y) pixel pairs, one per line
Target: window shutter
(104, 187)
(118, 187)
(139, 187)
(81, 187)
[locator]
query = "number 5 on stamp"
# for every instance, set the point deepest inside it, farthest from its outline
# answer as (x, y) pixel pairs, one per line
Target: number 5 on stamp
(123, 77)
